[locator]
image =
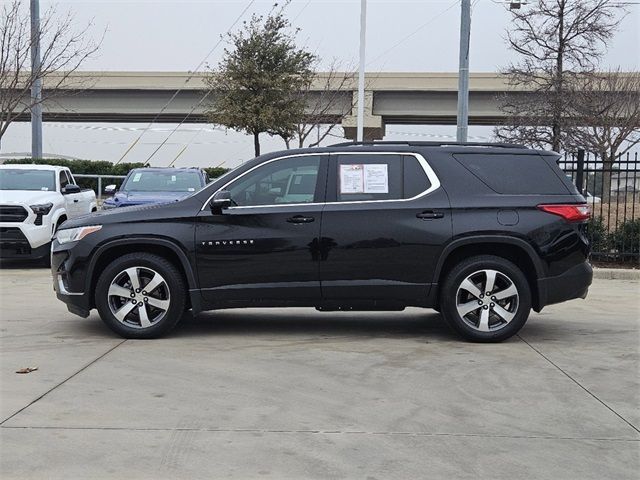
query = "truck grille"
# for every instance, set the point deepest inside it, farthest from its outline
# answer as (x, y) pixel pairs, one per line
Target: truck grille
(13, 213)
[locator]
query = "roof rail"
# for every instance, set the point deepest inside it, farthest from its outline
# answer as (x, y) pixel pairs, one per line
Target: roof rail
(430, 144)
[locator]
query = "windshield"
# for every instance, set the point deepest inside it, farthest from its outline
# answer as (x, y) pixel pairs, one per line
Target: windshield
(155, 181)
(19, 179)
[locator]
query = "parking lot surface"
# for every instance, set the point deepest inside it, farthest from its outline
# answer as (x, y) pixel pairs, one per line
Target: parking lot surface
(295, 393)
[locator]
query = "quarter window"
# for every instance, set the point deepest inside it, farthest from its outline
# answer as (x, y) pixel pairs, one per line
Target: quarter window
(415, 178)
(291, 180)
(522, 174)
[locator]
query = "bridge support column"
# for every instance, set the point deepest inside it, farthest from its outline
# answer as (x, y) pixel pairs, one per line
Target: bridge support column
(373, 124)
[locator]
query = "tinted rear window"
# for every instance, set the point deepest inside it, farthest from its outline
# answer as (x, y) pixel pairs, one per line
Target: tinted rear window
(514, 174)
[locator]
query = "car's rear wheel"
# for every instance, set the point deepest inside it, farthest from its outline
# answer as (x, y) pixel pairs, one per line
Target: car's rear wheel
(141, 295)
(486, 298)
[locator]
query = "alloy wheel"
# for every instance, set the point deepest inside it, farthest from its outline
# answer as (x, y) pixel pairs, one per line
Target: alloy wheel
(138, 297)
(487, 300)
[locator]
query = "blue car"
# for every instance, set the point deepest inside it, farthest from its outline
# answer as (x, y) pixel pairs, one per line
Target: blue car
(155, 186)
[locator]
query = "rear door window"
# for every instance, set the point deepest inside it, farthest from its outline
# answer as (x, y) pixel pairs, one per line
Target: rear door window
(367, 177)
(513, 174)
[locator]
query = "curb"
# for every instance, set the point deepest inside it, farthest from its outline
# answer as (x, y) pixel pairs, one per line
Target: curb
(616, 273)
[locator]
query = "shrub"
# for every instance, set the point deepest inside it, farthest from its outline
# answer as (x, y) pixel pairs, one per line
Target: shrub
(215, 172)
(88, 167)
(598, 235)
(626, 238)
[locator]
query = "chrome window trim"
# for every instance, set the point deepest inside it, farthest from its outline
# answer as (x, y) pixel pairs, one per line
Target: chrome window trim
(431, 176)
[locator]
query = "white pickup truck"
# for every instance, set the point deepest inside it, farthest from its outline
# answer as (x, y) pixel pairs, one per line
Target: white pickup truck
(34, 201)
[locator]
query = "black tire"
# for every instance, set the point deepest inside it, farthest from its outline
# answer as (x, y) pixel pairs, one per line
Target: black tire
(454, 295)
(173, 287)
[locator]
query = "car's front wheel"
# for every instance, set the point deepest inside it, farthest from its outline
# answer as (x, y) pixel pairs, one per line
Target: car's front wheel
(486, 298)
(140, 295)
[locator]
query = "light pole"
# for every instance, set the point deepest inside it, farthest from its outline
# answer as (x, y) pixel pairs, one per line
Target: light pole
(463, 74)
(36, 87)
(363, 35)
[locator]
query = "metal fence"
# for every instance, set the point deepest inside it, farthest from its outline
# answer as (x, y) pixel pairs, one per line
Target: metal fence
(96, 182)
(612, 189)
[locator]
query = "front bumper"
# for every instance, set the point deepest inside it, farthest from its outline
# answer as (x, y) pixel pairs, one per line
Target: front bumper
(24, 240)
(573, 283)
(68, 279)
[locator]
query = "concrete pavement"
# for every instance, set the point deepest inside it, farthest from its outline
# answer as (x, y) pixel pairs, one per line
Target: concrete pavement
(296, 393)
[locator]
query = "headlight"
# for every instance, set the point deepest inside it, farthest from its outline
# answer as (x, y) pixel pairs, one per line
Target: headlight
(107, 206)
(41, 209)
(74, 234)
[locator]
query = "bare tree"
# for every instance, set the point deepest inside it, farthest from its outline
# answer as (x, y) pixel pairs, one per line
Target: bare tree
(606, 109)
(62, 48)
(557, 42)
(328, 98)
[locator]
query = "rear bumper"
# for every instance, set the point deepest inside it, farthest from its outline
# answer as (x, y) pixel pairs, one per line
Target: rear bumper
(574, 283)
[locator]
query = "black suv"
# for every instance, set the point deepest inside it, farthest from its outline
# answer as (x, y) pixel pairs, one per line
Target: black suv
(480, 232)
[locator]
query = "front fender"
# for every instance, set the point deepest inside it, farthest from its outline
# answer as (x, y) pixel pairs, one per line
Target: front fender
(134, 241)
(60, 212)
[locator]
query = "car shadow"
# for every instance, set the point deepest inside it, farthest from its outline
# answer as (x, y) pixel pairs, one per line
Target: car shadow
(19, 264)
(281, 322)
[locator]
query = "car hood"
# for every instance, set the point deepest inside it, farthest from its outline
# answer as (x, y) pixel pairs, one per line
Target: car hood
(31, 197)
(139, 213)
(140, 198)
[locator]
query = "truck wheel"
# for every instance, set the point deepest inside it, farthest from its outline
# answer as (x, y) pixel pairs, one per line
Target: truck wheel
(140, 295)
(486, 299)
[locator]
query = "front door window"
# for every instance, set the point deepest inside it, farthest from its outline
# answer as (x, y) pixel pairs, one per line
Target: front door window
(281, 182)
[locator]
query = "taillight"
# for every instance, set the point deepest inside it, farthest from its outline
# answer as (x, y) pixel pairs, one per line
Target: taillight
(571, 213)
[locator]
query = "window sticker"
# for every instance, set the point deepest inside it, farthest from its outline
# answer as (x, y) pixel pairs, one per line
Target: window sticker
(376, 178)
(173, 178)
(191, 189)
(136, 177)
(44, 189)
(352, 178)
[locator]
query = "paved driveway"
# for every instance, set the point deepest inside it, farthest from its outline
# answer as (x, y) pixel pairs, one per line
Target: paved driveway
(301, 394)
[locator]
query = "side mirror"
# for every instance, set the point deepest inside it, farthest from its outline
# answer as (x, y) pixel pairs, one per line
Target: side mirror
(221, 200)
(71, 188)
(110, 189)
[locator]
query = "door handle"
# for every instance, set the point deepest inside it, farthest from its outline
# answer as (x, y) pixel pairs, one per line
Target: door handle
(300, 219)
(429, 215)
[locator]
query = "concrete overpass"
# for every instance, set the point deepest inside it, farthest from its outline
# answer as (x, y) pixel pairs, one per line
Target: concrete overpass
(391, 98)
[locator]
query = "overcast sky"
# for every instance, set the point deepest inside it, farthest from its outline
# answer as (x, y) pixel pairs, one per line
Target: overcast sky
(164, 35)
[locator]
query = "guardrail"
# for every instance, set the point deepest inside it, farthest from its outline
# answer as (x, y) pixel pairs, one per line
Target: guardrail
(99, 181)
